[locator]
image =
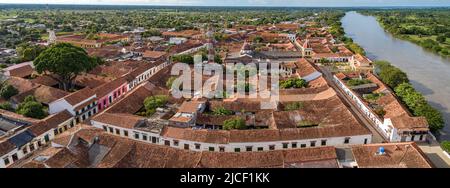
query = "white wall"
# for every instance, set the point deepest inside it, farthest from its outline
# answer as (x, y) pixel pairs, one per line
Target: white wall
(230, 147)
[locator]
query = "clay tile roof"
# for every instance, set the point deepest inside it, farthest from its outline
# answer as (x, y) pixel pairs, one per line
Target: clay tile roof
(21, 84)
(107, 88)
(208, 136)
(21, 70)
(45, 80)
(153, 54)
(62, 159)
(43, 94)
(399, 115)
(6, 147)
(190, 107)
(50, 122)
(304, 67)
(122, 120)
(79, 96)
(341, 76)
(397, 155)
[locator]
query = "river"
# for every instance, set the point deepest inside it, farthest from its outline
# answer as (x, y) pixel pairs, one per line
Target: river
(429, 73)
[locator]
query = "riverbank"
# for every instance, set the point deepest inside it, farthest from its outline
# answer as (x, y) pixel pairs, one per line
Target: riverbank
(429, 35)
(427, 71)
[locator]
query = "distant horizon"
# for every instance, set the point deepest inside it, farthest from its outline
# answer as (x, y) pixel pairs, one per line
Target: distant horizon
(262, 6)
(241, 3)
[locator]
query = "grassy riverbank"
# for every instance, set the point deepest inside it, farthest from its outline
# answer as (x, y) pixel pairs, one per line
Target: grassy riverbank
(429, 28)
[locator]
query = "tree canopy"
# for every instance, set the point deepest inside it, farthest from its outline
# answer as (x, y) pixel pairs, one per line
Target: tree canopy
(234, 123)
(32, 108)
(64, 62)
(7, 91)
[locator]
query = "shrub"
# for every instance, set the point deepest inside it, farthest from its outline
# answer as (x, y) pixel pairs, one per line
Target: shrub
(153, 102)
(234, 123)
(221, 111)
(293, 83)
(32, 108)
(357, 82)
(7, 91)
(6, 106)
(446, 146)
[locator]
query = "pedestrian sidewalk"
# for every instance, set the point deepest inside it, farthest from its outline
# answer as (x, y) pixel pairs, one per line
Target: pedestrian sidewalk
(435, 154)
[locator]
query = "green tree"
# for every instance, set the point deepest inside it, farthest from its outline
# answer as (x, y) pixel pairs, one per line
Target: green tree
(31, 108)
(153, 102)
(7, 91)
(234, 123)
(64, 62)
(6, 106)
(441, 39)
(391, 75)
(446, 146)
(433, 116)
(221, 111)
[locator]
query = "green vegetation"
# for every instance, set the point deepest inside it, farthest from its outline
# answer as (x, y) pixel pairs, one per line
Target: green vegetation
(293, 83)
(373, 96)
(7, 91)
(293, 106)
(428, 28)
(446, 146)
(66, 61)
(221, 111)
(234, 123)
(185, 58)
(29, 52)
(170, 81)
(32, 108)
(152, 103)
(390, 75)
(419, 106)
(379, 111)
(151, 32)
(414, 100)
(6, 106)
(357, 82)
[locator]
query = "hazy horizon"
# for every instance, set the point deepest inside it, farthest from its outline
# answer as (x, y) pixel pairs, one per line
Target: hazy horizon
(264, 3)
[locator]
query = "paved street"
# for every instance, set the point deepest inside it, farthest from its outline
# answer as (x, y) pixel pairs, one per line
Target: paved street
(435, 154)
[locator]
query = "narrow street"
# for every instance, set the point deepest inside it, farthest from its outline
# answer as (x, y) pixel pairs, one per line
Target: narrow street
(377, 136)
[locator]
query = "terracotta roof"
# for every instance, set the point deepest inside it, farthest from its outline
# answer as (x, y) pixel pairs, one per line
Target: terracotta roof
(121, 120)
(184, 33)
(6, 147)
(79, 96)
(134, 100)
(304, 67)
(91, 80)
(20, 70)
(45, 80)
(50, 122)
(43, 94)
(153, 54)
(190, 106)
(21, 84)
(399, 115)
(107, 88)
(397, 155)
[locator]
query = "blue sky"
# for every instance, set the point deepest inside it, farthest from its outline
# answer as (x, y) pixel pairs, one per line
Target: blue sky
(246, 2)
